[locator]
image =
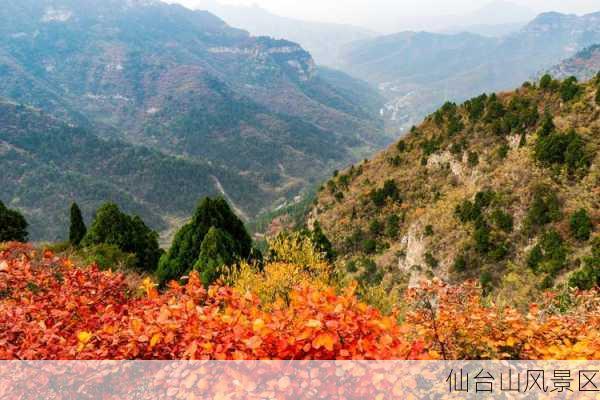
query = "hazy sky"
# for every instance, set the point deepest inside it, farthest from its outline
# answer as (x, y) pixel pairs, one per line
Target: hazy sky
(367, 12)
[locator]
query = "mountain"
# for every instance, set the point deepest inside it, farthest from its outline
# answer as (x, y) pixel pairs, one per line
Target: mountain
(493, 189)
(491, 30)
(187, 85)
(47, 163)
(418, 71)
(492, 16)
(323, 40)
(584, 65)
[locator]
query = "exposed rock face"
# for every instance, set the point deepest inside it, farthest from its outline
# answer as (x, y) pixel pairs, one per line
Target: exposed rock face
(414, 247)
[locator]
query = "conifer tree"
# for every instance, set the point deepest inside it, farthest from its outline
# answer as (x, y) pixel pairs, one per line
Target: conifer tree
(129, 234)
(13, 226)
(217, 251)
(77, 229)
(187, 245)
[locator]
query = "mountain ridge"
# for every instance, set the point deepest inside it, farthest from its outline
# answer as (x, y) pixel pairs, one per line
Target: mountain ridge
(185, 84)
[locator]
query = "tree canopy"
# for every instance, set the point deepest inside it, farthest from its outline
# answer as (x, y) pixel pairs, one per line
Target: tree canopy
(13, 226)
(129, 234)
(77, 229)
(187, 246)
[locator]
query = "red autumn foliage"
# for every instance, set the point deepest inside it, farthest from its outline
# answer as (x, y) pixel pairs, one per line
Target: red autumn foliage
(53, 310)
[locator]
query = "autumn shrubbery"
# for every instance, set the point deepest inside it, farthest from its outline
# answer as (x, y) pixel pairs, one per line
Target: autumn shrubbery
(52, 309)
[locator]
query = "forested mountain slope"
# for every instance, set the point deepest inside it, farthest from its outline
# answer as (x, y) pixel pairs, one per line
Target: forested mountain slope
(47, 163)
(504, 188)
(184, 83)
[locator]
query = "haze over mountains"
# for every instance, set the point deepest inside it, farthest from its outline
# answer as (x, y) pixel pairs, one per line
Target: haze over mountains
(323, 40)
(584, 65)
(187, 85)
(418, 71)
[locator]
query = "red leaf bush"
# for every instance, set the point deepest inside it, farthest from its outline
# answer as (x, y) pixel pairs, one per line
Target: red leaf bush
(53, 310)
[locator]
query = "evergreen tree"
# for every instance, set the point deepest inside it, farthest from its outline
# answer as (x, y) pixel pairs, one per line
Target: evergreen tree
(581, 225)
(588, 277)
(129, 234)
(77, 230)
(186, 247)
(546, 82)
(321, 242)
(13, 226)
(217, 251)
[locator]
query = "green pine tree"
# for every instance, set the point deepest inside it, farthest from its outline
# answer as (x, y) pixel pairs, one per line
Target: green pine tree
(186, 247)
(13, 226)
(217, 251)
(129, 234)
(77, 229)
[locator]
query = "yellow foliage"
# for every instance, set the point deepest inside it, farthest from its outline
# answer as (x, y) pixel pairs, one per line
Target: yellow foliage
(292, 261)
(278, 279)
(294, 248)
(384, 299)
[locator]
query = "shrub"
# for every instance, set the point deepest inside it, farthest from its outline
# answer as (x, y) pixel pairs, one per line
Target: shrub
(77, 228)
(548, 126)
(107, 256)
(482, 238)
(546, 82)
(467, 212)
(558, 148)
(503, 220)
(321, 242)
(369, 246)
(473, 159)
(588, 277)
(429, 230)
(429, 147)
(351, 266)
(185, 250)
(581, 225)
(129, 234)
(389, 191)
(13, 226)
(371, 275)
(503, 151)
(431, 261)
(549, 255)
(460, 263)
(494, 109)
(376, 227)
(454, 126)
(499, 251)
(486, 280)
(392, 226)
(569, 89)
(401, 146)
(456, 149)
(598, 97)
(476, 107)
(544, 209)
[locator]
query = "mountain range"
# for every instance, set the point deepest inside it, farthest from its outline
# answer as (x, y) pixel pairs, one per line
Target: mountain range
(584, 65)
(418, 71)
(323, 40)
(174, 86)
